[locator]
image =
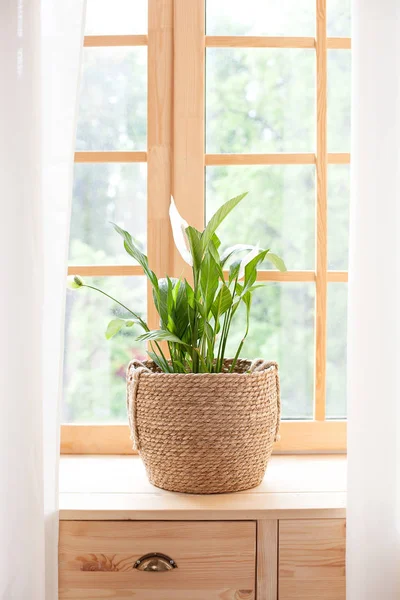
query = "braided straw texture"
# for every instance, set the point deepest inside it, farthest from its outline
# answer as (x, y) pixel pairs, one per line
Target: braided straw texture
(204, 433)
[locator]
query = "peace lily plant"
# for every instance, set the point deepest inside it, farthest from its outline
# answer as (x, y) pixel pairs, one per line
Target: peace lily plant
(195, 320)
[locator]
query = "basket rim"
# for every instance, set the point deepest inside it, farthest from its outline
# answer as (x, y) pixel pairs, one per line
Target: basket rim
(135, 366)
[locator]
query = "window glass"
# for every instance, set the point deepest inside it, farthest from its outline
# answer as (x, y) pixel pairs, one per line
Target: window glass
(282, 330)
(278, 213)
(119, 17)
(338, 216)
(336, 367)
(339, 100)
(94, 368)
(338, 18)
(112, 112)
(274, 17)
(260, 100)
(105, 193)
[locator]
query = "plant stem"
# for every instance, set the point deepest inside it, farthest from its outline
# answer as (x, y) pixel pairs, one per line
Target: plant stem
(142, 323)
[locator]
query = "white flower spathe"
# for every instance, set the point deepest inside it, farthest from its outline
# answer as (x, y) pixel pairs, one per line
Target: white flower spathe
(179, 225)
(245, 261)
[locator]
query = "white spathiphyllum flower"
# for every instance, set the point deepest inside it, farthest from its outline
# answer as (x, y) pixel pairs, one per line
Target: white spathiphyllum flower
(245, 261)
(179, 225)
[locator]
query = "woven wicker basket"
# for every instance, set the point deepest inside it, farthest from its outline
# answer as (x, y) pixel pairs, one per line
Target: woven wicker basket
(204, 433)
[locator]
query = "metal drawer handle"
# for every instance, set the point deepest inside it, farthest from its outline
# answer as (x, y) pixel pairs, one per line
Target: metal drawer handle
(155, 562)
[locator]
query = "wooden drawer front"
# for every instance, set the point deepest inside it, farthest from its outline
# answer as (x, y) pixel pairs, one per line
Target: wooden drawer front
(312, 559)
(214, 560)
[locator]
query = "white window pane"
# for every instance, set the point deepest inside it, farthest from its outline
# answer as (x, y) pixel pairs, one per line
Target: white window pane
(339, 100)
(116, 17)
(338, 216)
(105, 193)
(112, 112)
(339, 18)
(336, 368)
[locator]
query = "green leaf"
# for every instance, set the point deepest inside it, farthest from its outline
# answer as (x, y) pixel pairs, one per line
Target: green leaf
(189, 294)
(115, 326)
(196, 246)
(218, 217)
(247, 300)
(255, 287)
(137, 254)
(209, 280)
(276, 261)
(213, 250)
(160, 297)
(250, 271)
(223, 302)
(160, 362)
(160, 335)
(234, 270)
(216, 241)
(180, 309)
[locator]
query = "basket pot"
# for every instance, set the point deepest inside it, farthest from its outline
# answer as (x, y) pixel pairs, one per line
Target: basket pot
(204, 433)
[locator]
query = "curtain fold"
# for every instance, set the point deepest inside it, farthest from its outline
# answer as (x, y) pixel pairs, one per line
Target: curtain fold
(373, 507)
(40, 54)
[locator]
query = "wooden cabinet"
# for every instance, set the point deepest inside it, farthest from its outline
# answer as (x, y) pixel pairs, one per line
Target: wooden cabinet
(282, 540)
(215, 560)
(312, 559)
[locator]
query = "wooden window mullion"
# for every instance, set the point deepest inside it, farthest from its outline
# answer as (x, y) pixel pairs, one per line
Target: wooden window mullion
(321, 213)
(159, 144)
(189, 115)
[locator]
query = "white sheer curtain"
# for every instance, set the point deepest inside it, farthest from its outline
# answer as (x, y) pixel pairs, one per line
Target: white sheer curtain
(40, 52)
(373, 512)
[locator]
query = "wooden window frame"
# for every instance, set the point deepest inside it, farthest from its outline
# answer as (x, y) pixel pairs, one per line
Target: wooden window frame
(176, 160)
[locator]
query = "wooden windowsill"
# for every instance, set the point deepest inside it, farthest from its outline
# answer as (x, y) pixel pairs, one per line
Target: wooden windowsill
(116, 488)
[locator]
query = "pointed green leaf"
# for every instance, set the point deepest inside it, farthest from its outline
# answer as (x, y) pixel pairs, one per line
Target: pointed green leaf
(189, 294)
(223, 302)
(209, 280)
(196, 246)
(115, 326)
(218, 217)
(160, 362)
(234, 270)
(136, 253)
(160, 335)
(276, 261)
(216, 241)
(250, 271)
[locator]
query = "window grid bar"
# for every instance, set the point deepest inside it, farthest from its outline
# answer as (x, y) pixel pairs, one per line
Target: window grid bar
(112, 41)
(110, 157)
(337, 158)
(136, 270)
(308, 158)
(321, 214)
(222, 41)
(247, 41)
